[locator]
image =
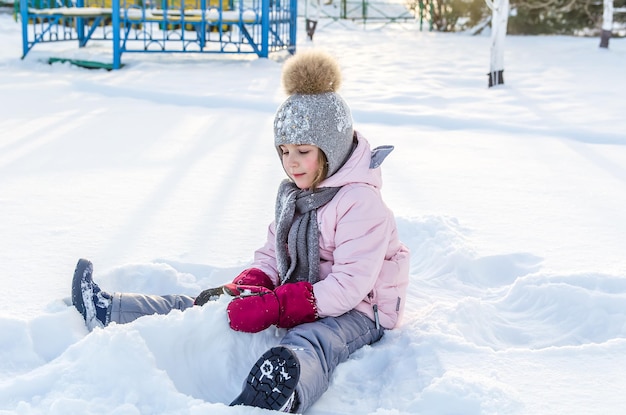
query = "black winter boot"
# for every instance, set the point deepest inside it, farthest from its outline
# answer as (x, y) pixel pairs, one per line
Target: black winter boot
(272, 382)
(88, 298)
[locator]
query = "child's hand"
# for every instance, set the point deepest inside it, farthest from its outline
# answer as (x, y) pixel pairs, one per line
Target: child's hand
(257, 308)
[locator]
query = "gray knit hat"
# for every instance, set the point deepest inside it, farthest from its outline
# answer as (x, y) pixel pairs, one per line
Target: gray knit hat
(314, 113)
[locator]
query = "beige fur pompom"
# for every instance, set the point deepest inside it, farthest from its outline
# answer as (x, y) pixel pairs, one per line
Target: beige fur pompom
(311, 72)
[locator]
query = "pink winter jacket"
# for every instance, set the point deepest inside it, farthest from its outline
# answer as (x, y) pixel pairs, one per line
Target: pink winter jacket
(363, 263)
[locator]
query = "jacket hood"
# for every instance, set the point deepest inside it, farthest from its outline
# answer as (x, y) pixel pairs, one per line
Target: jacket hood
(363, 166)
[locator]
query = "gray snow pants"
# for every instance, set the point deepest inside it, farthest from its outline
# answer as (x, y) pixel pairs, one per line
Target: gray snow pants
(128, 307)
(320, 346)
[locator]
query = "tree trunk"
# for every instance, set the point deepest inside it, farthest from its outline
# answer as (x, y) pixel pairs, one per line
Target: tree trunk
(499, 22)
(607, 24)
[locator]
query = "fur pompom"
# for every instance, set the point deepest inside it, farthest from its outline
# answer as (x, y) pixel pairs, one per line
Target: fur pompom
(311, 72)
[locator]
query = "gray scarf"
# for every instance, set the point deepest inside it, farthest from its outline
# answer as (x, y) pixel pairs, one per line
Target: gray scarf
(297, 234)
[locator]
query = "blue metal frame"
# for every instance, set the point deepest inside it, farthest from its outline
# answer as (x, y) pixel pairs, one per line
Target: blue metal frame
(165, 26)
(40, 23)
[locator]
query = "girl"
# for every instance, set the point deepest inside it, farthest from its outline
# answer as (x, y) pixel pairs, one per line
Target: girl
(333, 271)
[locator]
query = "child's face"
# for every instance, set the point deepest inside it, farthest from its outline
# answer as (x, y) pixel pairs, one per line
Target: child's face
(301, 162)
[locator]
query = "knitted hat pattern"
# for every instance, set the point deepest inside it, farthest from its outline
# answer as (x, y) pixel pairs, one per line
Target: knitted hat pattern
(314, 113)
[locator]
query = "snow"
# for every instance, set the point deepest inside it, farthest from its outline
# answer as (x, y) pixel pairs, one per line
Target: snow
(511, 200)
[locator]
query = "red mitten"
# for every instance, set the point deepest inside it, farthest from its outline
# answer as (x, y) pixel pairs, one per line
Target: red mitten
(253, 309)
(297, 304)
(254, 276)
(257, 308)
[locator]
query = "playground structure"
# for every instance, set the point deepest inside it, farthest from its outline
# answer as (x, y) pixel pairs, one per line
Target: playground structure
(163, 26)
(370, 11)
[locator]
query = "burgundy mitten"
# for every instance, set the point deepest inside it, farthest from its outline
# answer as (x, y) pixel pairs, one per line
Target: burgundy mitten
(257, 308)
(297, 304)
(253, 309)
(254, 276)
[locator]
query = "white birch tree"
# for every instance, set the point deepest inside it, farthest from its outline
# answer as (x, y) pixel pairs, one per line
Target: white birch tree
(607, 24)
(499, 22)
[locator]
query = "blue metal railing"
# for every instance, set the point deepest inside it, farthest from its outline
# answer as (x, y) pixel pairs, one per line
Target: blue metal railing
(163, 26)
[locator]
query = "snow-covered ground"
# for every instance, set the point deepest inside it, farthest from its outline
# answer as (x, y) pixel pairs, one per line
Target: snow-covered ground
(164, 175)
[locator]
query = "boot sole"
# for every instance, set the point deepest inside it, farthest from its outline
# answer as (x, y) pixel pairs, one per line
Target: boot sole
(272, 380)
(82, 267)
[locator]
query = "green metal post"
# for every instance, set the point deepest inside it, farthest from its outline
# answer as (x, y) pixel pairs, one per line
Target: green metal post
(432, 15)
(421, 7)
